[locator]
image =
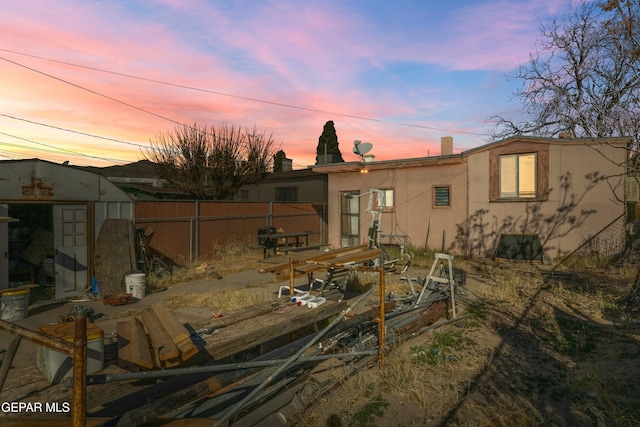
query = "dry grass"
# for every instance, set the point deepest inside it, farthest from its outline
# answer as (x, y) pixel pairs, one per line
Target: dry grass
(566, 324)
(227, 299)
(228, 259)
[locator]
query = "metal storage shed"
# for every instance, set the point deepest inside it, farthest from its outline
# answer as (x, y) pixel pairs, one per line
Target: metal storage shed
(62, 209)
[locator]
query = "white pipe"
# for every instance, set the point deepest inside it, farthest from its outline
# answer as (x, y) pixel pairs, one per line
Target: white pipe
(316, 302)
(287, 288)
(303, 300)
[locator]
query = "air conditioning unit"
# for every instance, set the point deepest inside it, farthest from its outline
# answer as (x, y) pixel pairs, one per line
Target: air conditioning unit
(632, 189)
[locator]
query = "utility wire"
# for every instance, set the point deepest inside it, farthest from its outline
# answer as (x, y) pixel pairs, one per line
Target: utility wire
(279, 104)
(61, 149)
(92, 91)
(74, 131)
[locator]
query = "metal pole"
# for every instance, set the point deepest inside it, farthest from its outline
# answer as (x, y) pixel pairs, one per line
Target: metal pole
(191, 239)
(381, 325)
(292, 274)
(45, 340)
(109, 378)
(291, 360)
(8, 359)
(197, 231)
(78, 413)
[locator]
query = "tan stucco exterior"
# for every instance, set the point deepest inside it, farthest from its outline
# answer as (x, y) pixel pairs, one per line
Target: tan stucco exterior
(580, 188)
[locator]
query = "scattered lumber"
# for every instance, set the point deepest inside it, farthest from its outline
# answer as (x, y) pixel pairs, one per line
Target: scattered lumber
(166, 352)
(427, 317)
(254, 331)
(180, 335)
(133, 346)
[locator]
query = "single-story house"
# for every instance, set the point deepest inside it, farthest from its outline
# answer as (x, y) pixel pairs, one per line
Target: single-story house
(558, 191)
(300, 185)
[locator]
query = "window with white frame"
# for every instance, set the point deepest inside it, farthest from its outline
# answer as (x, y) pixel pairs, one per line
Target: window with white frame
(388, 202)
(518, 176)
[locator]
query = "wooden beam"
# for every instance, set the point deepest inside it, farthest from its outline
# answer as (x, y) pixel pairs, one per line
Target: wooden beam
(258, 330)
(133, 347)
(180, 335)
(324, 257)
(165, 350)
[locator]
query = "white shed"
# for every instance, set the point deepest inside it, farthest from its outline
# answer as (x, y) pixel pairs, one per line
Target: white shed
(53, 214)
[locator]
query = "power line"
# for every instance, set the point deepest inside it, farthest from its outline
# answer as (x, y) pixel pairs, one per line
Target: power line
(60, 149)
(279, 104)
(74, 131)
(92, 91)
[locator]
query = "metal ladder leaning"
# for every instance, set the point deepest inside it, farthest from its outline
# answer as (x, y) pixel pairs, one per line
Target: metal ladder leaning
(431, 278)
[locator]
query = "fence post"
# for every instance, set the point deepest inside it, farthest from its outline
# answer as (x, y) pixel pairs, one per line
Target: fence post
(191, 239)
(197, 231)
(270, 217)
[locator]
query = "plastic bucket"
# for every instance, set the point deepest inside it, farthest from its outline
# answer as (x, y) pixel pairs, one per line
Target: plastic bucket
(135, 283)
(14, 305)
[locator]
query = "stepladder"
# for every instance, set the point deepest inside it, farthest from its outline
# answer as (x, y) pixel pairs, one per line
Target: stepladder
(440, 274)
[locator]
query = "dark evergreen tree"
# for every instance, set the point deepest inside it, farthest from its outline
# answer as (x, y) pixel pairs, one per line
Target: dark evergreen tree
(277, 160)
(328, 145)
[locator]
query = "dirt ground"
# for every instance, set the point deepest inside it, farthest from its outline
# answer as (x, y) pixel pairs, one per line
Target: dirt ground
(536, 349)
(530, 347)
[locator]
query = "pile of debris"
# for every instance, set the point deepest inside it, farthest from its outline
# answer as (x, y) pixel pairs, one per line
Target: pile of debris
(200, 371)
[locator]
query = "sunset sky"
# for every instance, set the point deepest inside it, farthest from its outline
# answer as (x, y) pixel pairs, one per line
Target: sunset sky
(93, 81)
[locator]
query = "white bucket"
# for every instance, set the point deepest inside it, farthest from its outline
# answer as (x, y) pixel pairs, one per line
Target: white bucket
(14, 305)
(135, 283)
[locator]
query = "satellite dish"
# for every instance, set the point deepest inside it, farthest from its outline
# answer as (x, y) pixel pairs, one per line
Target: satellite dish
(361, 148)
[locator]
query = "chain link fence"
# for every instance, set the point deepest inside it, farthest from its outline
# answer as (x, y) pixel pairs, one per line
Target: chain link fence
(183, 231)
(609, 241)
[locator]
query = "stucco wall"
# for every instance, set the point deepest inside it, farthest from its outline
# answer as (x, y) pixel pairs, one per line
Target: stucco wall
(580, 202)
(413, 205)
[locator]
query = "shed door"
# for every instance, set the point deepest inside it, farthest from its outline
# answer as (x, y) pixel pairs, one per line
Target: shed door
(4, 249)
(70, 243)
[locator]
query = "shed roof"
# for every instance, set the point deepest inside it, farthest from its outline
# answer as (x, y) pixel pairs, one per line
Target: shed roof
(43, 181)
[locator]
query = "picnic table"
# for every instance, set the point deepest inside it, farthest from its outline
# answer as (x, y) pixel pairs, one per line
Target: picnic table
(285, 242)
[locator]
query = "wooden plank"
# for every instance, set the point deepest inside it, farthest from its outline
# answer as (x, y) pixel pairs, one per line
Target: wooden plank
(314, 264)
(233, 317)
(249, 333)
(170, 322)
(324, 257)
(180, 335)
(112, 255)
(166, 351)
(133, 347)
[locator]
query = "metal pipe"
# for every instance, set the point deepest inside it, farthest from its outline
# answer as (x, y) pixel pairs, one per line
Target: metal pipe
(109, 378)
(37, 337)
(291, 360)
(210, 384)
(381, 326)
(8, 359)
(292, 274)
(78, 414)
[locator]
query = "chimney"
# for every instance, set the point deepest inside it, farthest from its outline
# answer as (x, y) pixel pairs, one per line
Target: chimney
(368, 158)
(564, 135)
(287, 165)
(446, 145)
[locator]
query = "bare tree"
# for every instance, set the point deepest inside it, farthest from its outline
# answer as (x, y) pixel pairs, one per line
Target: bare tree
(210, 162)
(584, 77)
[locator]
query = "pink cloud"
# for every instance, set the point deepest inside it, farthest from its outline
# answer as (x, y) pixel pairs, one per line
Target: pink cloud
(309, 55)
